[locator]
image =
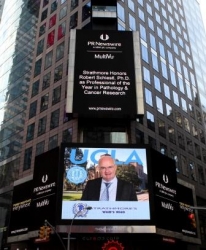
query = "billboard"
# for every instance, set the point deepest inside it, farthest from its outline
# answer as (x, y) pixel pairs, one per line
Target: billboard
(104, 74)
(188, 216)
(43, 205)
(20, 212)
(165, 192)
(80, 165)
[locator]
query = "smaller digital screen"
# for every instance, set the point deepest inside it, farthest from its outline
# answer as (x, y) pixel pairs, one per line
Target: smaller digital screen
(82, 188)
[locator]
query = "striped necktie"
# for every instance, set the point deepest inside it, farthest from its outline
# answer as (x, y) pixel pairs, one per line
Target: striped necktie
(105, 194)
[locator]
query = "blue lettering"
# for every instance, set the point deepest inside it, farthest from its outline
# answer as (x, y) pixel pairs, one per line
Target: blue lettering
(136, 158)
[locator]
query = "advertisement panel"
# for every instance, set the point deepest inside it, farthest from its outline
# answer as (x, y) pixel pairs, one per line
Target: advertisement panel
(188, 217)
(43, 205)
(104, 74)
(165, 192)
(80, 166)
(20, 213)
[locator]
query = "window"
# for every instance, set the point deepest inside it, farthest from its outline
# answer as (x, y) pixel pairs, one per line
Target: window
(48, 59)
(169, 112)
(167, 90)
(50, 38)
(27, 158)
(155, 61)
(56, 95)
(189, 146)
(54, 119)
(150, 121)
(86, 11)
(201, 175)
(58, 73)
(53, 6)
(144, 53)
(42, 29)
(46, 81)
(162, 129)
(157, 83)
(42, 126)
(148, 97)
(35, 88)
(197, 151)
(53, 142)
(44, 15)
(159, 105)
(40, 148)
(74, 4)
(132, 22)
(178, 118)
(181, 140)
(175, 98)
(40, 47)
(63, 12)
(73, 20)
(52, 21)
(184, 165)
(120, 12)
(141, 15)
(171, 132)
(44, 102)
(60, 51)
(67, 135)
(32, 109)
(146, 75)
(186, 124)
(61, 30)
(37, 69)
(30, 132)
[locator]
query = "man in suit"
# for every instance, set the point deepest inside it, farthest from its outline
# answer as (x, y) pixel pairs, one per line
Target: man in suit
(118, 189)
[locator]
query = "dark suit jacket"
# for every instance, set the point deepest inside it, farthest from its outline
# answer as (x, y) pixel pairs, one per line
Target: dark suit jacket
(125, 191)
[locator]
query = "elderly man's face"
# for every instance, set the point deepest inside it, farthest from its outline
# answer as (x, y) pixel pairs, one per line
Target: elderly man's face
(107, 168)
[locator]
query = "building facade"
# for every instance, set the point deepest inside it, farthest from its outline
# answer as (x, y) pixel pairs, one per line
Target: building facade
(34, 45)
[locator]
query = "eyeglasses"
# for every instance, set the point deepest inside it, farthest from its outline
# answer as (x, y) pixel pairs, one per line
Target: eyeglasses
(107, 168)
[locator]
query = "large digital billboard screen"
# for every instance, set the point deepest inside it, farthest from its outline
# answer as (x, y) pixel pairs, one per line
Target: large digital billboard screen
(104, 74)
(82, 179)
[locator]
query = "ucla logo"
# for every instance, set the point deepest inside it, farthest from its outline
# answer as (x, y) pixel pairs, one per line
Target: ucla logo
(76, 174)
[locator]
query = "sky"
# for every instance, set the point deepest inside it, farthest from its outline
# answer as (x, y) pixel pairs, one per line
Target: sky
(203, 9)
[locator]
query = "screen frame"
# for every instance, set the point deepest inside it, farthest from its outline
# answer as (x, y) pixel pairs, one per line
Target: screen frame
(131, 222)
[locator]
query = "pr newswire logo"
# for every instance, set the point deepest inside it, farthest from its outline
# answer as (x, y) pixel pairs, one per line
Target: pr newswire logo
(104, 44)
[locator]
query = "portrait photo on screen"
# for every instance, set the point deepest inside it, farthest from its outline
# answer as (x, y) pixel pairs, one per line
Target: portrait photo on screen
(108, 183)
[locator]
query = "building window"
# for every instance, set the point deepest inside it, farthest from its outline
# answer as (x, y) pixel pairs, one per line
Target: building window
(171, 132)
(53, 6)
(40, 47)
(184, 165)
(74, 4)
(148, 97)
(132, 22)
(201, 176)
(146, 75)
(144, 53)
(150, 121)
(52, 21)
(61, 30)
(50, 40)
(178, 118)
(192, 171)
(159, 105)
(189, 146)
(27, 158)
(37, 69)
(56, 95)
(169, 112)
(197, 151)
(60, 51)
(73, 20)
(42, 29)
(44, 102)
(58, 73)
(53, 142)
(157, 83)
(67, 135)
(42, 126)
(63, 12)
(120, 12)
(54, 119)
(32, 109)
(40, 148)
(161, 127)
(30, 132)
(35, 88)
(48, 59)
(181, 140)
(46, 81)
(186, 124)
(86, 11)
(44, 15)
